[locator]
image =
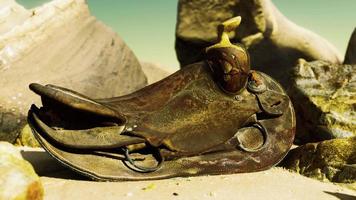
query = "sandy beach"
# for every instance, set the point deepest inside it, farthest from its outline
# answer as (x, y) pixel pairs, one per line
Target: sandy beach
(276, 183)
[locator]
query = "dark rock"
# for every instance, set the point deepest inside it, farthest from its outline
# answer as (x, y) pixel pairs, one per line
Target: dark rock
(10, 123)
(332, 160)
(324, 97)
(350, 57)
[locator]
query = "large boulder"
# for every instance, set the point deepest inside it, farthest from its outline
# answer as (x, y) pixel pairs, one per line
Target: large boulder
(324, 96)
(11, 15)
(332, 160)
(350, 57)
(274, 42)
(60, 43)
(156, 71)
(18, 180)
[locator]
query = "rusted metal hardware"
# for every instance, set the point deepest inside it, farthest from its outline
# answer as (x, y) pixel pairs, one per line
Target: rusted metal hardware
(211, 117)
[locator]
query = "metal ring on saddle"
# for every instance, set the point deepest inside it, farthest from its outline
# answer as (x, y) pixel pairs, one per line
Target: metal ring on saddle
(264, 132)
(255, 83)
(132, 165)
(251, 86)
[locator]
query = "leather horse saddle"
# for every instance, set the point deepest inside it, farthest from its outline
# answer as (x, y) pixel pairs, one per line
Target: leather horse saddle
(212, 117)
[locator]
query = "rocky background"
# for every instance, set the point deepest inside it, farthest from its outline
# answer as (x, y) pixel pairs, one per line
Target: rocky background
(321, 86)
(61, 43)
(274, 42)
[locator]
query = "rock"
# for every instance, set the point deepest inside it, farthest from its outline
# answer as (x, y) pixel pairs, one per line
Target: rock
(11, 122)
(18, 179)
(11, 15)
(274, 42)
(347, 174)
(350, 57)
(60, 43)
(332, 160)
(324, 97)
(26, 138)
(155, 71)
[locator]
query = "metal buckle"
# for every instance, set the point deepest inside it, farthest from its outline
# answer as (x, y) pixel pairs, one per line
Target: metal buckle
(130, 163)
(264, 132)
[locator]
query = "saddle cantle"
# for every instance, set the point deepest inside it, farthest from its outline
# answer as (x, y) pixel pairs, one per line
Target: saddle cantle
(211, 117)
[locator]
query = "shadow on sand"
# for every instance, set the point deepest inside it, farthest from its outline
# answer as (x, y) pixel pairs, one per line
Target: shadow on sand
(341, 196)
(47, 166)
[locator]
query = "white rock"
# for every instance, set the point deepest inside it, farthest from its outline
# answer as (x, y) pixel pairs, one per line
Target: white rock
(155, 71)
(11, 15)
(18, 179)
(61, 43)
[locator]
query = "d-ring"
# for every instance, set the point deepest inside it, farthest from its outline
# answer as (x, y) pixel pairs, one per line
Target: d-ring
(255, 88)
(264, 132)
(255, 83)
(133, 166)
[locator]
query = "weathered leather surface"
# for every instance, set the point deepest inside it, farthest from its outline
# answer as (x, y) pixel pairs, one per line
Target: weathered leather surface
(188, 113)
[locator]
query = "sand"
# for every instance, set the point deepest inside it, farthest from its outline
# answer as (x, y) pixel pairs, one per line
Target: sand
(276, 183)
